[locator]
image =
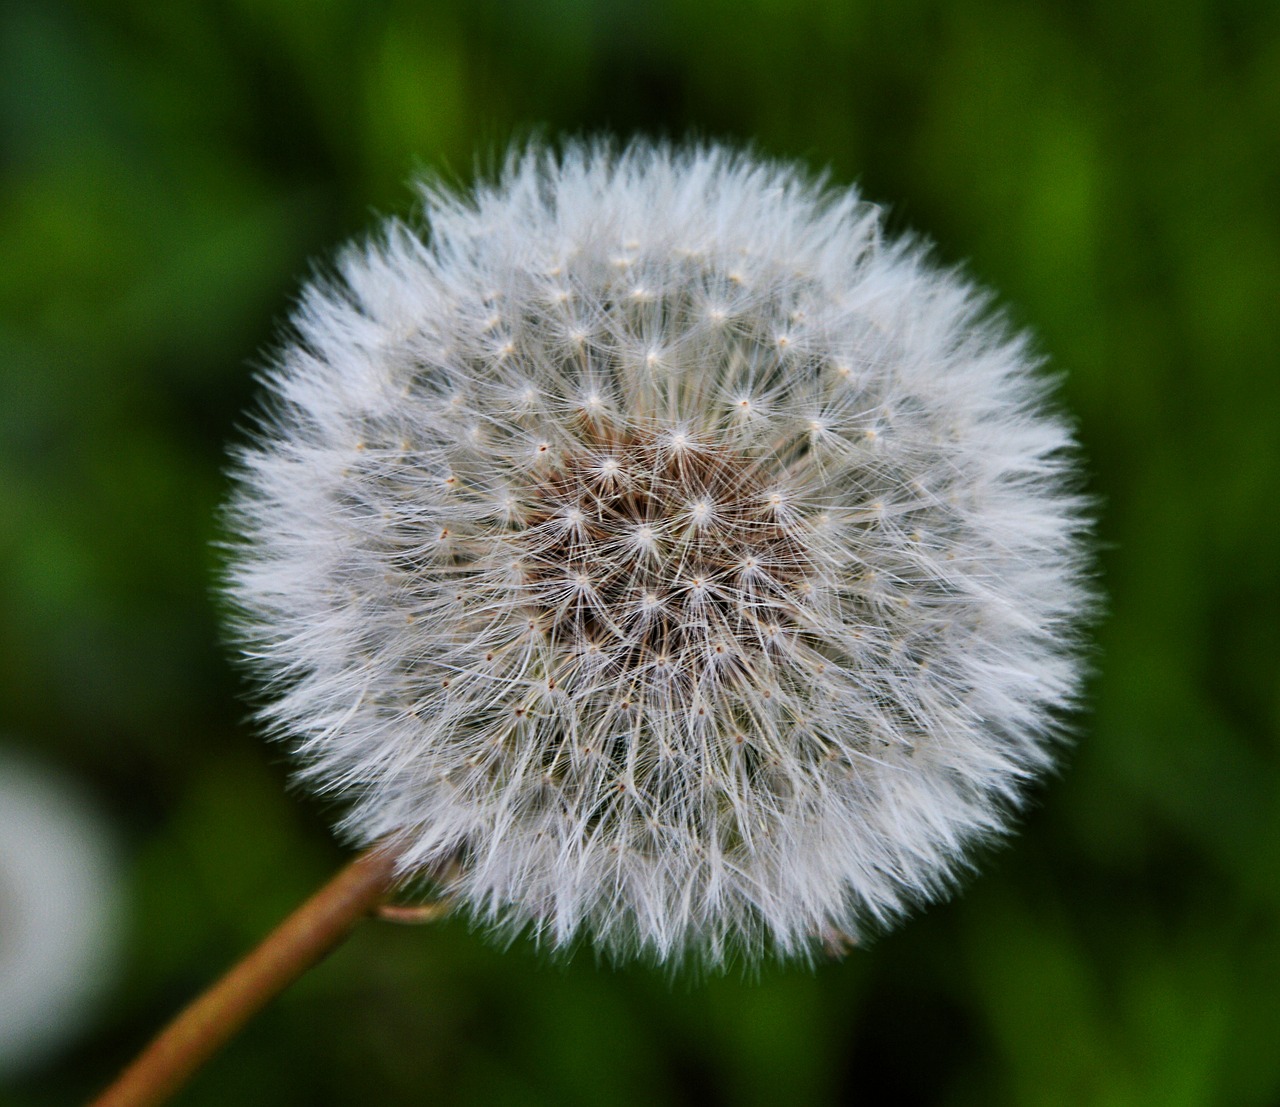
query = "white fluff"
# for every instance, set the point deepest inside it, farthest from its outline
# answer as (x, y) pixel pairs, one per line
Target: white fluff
(696, 567)
(61, 913)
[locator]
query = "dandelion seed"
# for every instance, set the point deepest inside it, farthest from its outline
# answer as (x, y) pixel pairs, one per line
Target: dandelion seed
(708, 690)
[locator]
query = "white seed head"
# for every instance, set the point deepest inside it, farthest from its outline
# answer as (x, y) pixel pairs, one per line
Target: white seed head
(719, 605)
(61, 912)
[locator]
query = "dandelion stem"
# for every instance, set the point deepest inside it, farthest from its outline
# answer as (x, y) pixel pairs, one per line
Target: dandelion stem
(210, 1021)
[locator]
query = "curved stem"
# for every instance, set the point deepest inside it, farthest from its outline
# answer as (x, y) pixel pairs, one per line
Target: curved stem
(211, 1020)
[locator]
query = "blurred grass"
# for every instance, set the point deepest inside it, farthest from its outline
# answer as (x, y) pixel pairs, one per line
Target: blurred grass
(169, 173)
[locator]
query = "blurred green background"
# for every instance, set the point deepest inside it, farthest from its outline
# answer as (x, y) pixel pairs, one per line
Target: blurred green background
(1112, 167)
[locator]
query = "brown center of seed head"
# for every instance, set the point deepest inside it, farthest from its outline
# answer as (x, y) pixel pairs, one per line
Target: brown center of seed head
(663, 551)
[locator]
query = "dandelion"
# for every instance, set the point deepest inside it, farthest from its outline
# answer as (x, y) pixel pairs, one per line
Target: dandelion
(648, 539)
(60, 912)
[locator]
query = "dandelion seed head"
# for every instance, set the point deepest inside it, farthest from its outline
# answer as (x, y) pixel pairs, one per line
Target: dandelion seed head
(708, 591)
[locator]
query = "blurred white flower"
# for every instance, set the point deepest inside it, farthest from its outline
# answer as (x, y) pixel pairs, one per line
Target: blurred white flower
(59, 912)
(648, 533)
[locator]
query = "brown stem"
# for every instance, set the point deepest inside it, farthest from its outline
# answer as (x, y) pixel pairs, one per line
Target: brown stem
(284, 955)
(414, 914)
